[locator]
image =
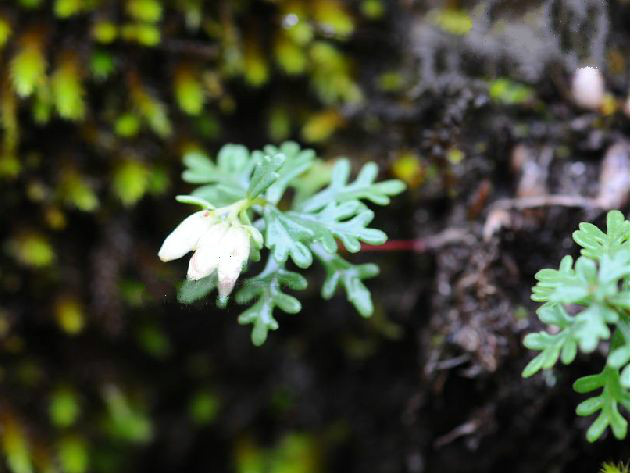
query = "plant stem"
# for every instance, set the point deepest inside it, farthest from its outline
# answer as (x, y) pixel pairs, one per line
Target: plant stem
(427, 243)
(417, 246)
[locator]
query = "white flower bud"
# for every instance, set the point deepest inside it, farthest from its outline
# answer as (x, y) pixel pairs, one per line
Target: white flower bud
(236, 246)
(588, 88)
(219, 245)
(185, 237)
(208, 253)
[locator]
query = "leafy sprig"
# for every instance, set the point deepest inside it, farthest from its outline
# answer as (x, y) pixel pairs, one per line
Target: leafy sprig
(597, 287)
(317, 221)
(342, 273)
(266, 288)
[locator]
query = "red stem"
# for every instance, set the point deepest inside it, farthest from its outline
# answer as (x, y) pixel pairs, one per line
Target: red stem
(396, 245)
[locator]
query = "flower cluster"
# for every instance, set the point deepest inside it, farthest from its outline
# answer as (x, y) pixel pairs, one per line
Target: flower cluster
(219, 245)
(240, 196)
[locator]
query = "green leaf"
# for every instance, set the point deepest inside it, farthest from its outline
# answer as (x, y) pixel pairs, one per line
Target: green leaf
(333, 81)
(189, 90)
(200, 169)
(550, 347)
(624, 378)
(565, 285)
(591, 326)
(75, 191)
(126, 421)
(611, 467)
(67, 89)
(583, 330)
(533, 366)
(614, 266)
(204, 407)
(266, 288)
(219, 195)
(363, 187)
(606, 403)
(146, 34)
(255, 64)
(589, 383)
(193, 200)
(16, 447)
(153, 340)
(153, 110)
(227, 181)
(292, 232)
(28, 66)
(33, 249)
(350, 276)
(102, 64)
(130, 181)
(296, 163)
(621, 299)
(321, 125)
(553, 313)
(589, 406)
(265, 172)
(333, 18)
(31, 4)
(284, 236)
(235, 159)
(149, 11)
(617, 228)
(104, 31)
(191, 291)
(452, 20)
(586, 269)
(279, 122)
(127, 124)
(5, 31)
(508, 92)
(63, 408)
(596, 243)
(67, 8)
(315, 178)
(335, 220)
(619, 357)
(289, 55)
(73, 454)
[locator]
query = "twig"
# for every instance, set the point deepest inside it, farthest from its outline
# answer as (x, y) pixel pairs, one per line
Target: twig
(549, 200)
(452, 362)
(195, 48)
